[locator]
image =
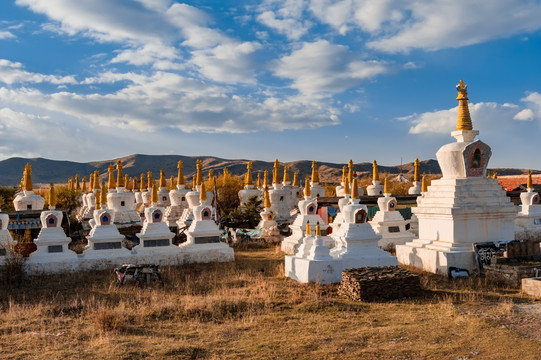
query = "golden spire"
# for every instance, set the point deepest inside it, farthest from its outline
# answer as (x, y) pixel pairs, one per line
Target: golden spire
(266, 179)
(172, 182)
(276, 172)
(103, 195)
(350, 171)
(111, 184)
(180, 175)
(83, 186)
(70, 184)
(424, 185)
(96, 184)
(154, 198)
(202, 194)
(120, 177)
(307, 189)
(248, 177)
(318, 229)
(386, 185)
(375, 171)
(267, 203)
(308, 229)
(344, 172)
(149, 180)
(91, 182)
(98, 199)
(530, 183)
(134, 184)
(463, 120)
(346, 188)
(355, 189)
(258, 180)
(416, 171)
(295, 179)
(143, 185)
(27, 178)
(286, 174)
(163, 181)
(211, 176)
(126, 180)
(77, 183)
(315, 174)
(52, 197)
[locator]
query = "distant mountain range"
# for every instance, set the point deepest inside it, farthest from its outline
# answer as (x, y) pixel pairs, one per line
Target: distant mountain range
(44, 170)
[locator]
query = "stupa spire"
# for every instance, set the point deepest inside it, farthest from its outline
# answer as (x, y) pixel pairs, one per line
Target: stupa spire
(276, 172)
(111, 184)
(530, 183)
(258, 180)
(119, 175)
(308, 229)
(27, 178)
(154, 199)
(286, 174)
(202, 193)
(350, 170)
(386, 185)
(375, 171)
(199, 178)
(52, 197)
(344, 172)
(266, 179)
(77, 183)
(163, 180)
(307, 190)
(143, 185)
(248, 177)
(103, 195)
(83, 186)
(295, 179)
(96, 184)
(149, 180)
(267, 203)
(318, 229)
(346, 187)
(424, 185)
(355, 190)
(315, 174)
(463, 120)
(416, 171)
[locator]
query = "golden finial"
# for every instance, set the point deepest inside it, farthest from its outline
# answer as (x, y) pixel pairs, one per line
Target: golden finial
(266, 179)
(276, 172)
(52, 197)
(386, 186)
(163, 181)
(295, 179)
(286, 174)
(70, 183)
(199, 173)
(350, 170)
(134, 184)
(416, 169)
(267, 203)
(258, 184)
(375, 171)
(149, 180)
(119, 177)
(248, 177)
(103, 195)
(355, 189)
(77, 183)
(211, 176)
(90, 181)
(143, 185)
(126, 180)
(154, 198)
(315, 174)
(318, 229)
(530, 183)
(96, 184)
(180, 175)
(111, 184)
(83, 186)
(171, 182)
(202, 193)
(307, 189)
(27, 178)
(346, 188)
(463, 121)
(98, 199)
(344, 172)
(424, 185)
(308, 229)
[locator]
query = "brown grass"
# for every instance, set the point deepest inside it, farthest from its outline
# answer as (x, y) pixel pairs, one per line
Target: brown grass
(247, 309)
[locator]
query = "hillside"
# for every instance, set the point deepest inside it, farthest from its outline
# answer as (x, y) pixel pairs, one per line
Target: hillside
(45, 170)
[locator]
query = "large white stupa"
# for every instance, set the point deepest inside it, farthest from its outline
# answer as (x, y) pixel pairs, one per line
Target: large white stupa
(178, 199)
(122, 202)
(461, 208)
(27, 199)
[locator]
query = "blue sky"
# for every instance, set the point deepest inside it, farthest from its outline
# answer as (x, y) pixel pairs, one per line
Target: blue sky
(289, 79)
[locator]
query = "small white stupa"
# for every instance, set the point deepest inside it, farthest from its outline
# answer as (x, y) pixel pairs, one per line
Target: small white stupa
(84, 203)
(248, 191)
(389, 223)
(122, 202)
(308, 214)
(416, 188)
(163, 192)
(94, 186)
(316, 189)
(6, 241)
(376, 189)
(340, 188)
(155, 237)
(52, 254)
(147, 195)
(269, 227)
(178, 199)
(293, 187)
(344, 200)
(104, 240)
(528, 221)
(203, 236)
(27, 199)
(279, 198)
(461, 208)
(140, 207)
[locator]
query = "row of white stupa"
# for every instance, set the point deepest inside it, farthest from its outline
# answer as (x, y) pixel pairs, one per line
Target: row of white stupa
(105, 244)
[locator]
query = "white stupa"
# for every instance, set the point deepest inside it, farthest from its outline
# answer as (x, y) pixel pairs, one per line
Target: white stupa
(6, 241)
(90, 199)
(376, 189)
(528, 221)
(279, 197)
(122, 202)
(249, 190)
(104, 240)
(461, 208)
(155, 237)
(339, 189)
(308, 214)
(27, 199)
(389, 223)
(203, 236)
(344, 200)
(295, 191)
(268, 226)
(83, 198)
(316, 189)
(146, 196)
(52, 254)
(179, 202)
(192, 197)
(163, 193)
(416, 187)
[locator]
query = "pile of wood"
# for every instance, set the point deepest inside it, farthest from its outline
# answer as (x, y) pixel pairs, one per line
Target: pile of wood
(379, 283)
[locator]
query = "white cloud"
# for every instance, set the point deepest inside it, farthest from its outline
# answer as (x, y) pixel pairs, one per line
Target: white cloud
(285, 17)
(13, 72)
(157, 54)
(533, 111)
(524, 115)
(6, 35)
(321, 68)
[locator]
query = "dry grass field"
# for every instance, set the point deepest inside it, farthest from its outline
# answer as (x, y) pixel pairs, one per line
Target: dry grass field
(248, 310)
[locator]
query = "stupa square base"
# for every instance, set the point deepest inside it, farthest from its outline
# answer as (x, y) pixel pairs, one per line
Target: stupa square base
(435, 259)
(321, 272)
